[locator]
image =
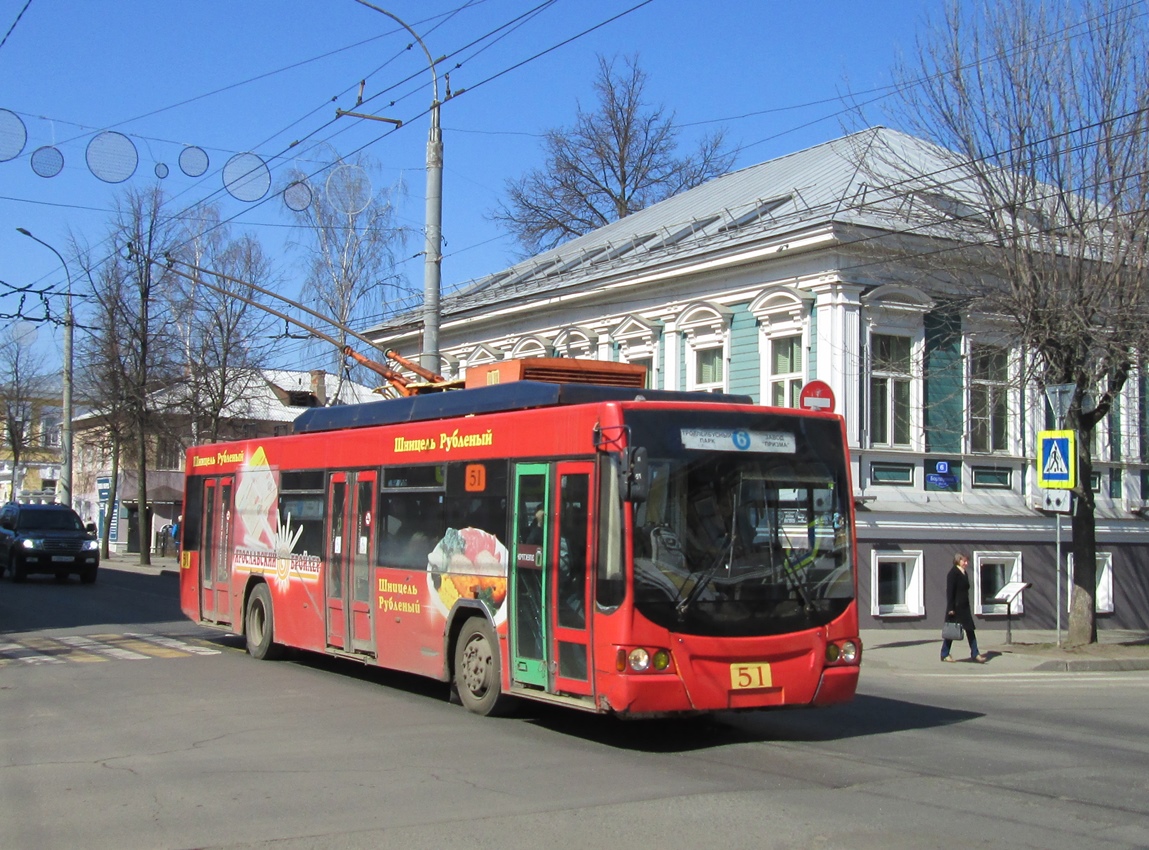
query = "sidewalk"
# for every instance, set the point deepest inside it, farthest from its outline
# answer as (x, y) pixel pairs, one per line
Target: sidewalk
(918, 650)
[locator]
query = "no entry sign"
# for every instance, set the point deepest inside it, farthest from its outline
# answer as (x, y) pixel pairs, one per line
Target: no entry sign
(816, 395)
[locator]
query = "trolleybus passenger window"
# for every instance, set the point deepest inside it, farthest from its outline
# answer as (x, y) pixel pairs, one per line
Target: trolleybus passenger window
(301, 510)
(410, 524)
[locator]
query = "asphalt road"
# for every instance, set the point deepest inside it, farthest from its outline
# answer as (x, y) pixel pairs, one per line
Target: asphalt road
(122, 726)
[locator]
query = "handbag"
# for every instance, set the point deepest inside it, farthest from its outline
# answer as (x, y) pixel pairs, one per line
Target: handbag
(952, 631)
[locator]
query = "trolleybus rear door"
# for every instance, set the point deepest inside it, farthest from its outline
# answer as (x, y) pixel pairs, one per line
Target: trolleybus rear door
(569, 587)
(350, 554)
(215, 549)
(527, 618)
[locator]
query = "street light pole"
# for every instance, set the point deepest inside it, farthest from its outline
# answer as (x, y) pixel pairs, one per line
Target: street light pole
(433, 257)
(64, 484)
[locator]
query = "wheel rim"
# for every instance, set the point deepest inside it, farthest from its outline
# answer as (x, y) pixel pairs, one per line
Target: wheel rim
(478, 663)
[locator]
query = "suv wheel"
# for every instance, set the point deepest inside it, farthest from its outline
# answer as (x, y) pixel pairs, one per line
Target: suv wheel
(16, 569)
(88, 575)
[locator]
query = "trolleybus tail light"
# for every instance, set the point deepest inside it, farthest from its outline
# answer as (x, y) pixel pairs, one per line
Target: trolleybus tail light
(844, 652)
(641, 660)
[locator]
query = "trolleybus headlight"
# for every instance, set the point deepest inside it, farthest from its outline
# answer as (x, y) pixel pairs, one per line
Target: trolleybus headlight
(832, 653)
(849, 652)
(639, 660)
(661, 659)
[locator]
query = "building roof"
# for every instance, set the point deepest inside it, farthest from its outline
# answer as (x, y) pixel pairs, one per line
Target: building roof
(867, 179)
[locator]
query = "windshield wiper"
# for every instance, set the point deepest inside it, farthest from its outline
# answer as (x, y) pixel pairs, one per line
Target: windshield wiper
(725, 553)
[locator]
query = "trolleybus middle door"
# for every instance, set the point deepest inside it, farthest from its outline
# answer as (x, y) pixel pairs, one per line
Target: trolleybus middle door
(215, 551)
(569, 584)
(350, 554)
(527, 603)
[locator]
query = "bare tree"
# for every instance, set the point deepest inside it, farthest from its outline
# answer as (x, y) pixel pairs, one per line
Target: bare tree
(616, 159)
(133, 331)
(224, 333)
(1046, 109)
(23, 386)
(352, 274)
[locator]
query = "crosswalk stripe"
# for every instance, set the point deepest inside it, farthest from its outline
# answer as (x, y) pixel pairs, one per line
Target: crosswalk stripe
(131, 646)
(173, 643)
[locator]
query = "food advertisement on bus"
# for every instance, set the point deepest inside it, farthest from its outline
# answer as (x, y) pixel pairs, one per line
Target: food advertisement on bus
(472, 564)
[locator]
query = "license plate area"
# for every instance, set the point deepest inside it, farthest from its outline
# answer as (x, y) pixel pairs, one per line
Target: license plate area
(63, 559)
(750, 675)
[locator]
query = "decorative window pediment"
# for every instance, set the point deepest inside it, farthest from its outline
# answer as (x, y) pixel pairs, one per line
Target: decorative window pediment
(532, 346)
(704, 319)
(484, 353)
(782, 303)
(897, 299)
(576, 341)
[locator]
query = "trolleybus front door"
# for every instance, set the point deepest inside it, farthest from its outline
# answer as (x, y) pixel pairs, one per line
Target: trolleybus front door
(569, 593)
(215, 548)
(527, 618)
(350, 554)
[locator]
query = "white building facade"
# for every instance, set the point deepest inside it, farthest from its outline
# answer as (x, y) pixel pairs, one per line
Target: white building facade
(780, 274)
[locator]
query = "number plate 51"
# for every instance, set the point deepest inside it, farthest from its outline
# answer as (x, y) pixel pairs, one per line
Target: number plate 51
(750, 675)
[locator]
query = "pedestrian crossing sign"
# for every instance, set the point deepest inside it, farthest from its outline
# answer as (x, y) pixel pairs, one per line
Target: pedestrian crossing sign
(1056, 460)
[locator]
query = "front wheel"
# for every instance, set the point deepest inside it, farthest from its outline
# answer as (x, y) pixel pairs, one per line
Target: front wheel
(260, 627)
(478, 676)
(16, 569)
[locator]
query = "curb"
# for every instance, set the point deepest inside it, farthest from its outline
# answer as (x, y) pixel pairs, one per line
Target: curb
(1092, 665)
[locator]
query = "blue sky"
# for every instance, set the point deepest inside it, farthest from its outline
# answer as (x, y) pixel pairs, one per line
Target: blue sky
(236, 76)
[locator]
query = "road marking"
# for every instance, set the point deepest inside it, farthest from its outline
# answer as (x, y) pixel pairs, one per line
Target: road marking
(173, 643)
(132, 646)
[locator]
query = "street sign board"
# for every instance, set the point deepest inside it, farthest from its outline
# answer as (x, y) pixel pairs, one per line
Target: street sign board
(1060, 396)
(1056, 460)
(1057, 501)
(816, 395)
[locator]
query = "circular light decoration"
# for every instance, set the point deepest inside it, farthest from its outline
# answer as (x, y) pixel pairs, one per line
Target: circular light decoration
(297, 196)
(349, 189)
(193, 161)
(161, 170)
(112, 157)
(246, 178)
(13, 135)
(47, 161)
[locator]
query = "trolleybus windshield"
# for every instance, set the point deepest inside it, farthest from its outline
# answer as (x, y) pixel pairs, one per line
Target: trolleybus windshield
(746, 527)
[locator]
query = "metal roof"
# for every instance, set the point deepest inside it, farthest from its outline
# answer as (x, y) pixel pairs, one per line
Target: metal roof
(867, 179)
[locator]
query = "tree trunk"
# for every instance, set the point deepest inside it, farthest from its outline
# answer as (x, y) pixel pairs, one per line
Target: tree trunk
(144, 530)
(1082, 605)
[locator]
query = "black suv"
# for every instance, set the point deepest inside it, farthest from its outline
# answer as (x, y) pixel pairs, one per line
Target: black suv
(46, 539)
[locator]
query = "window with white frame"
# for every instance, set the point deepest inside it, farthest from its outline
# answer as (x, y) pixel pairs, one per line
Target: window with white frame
(785, 370)
(991, 572)
(709, 375)
(890, 389)
(988, 399)
(705, 328)
(1103, 600)
(896, 584)
(51, 425)
(638, 342)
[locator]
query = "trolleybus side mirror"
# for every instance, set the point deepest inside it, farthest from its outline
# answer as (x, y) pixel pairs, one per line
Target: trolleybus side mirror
(637, 475)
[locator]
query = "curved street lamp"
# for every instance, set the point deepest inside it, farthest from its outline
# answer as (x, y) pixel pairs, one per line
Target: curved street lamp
(433, 257)
(64, 484)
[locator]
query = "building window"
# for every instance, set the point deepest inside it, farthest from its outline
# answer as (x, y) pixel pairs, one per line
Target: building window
(992, 477)
(1103, 600)
(890, 378)
(50, 429)
(988, 399)
(896, 586)
(993, 571)
(708, 372)
(897, 474)
(785, 370)
(648, 363)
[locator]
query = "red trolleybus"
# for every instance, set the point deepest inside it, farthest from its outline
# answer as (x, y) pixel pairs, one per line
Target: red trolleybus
(613, 549)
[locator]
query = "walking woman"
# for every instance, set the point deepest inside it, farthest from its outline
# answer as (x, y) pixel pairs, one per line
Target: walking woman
(958, 610)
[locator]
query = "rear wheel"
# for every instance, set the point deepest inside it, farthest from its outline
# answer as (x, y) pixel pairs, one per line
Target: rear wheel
(260, 626)
(478, 674)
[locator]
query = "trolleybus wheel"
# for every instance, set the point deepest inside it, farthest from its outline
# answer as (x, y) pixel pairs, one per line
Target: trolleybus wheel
(478, 676)
(260, 627)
